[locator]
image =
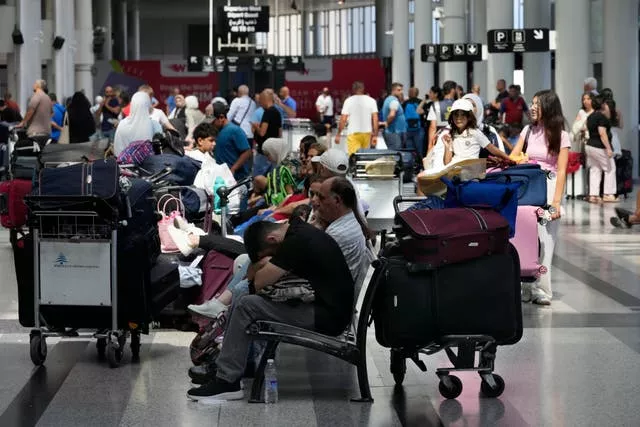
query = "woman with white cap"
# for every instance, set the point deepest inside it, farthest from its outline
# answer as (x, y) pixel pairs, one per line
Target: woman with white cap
(488, 130)
(463, 141)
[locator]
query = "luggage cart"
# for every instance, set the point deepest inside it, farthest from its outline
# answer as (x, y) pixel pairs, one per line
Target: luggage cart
(378, 181)
(75, 274)
(224, 193)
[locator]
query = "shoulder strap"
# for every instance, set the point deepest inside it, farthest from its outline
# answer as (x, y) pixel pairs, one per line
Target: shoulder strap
(526, 140)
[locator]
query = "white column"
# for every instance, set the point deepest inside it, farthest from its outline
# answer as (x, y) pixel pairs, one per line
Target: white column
(620, 67)
(318, 42)
(537, 65)
(572, 52)
(478, 14)
(422, 28)
(499, 65)
(104, 20)
(400, 63)
(63, 58)
(124, 35)
(384, 23)
(29, 66)
(84, 47)
(135, 27)
(454, 31)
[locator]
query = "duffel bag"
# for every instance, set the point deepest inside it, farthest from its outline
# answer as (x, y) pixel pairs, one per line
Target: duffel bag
(99, 179)
(431, 238)
(533, 180)
(74, 153)
(13, 210)
(501, 197)
(476, 297)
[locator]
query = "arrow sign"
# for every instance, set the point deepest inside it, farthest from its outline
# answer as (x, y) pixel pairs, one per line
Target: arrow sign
(538, 34)
(193, 60)
(471, 49)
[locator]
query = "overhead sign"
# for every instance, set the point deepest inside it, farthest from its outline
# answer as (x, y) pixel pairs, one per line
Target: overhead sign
(243, 19)
(451, 52)
(232, 63)
(518, 40)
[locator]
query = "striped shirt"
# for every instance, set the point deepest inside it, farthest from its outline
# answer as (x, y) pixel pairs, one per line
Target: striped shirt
(347, 233)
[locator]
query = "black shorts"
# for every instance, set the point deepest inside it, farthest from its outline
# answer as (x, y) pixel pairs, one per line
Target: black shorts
(327, 120)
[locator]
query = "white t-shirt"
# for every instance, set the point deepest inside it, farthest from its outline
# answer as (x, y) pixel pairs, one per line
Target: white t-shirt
(468, 145)
(359, 109)
(325, 104)
(159, 116)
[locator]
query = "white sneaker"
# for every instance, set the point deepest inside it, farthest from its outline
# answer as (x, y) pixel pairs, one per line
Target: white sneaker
(525, 292)
(181, 239)
(182, 224)
(542, 300)
(210, 309)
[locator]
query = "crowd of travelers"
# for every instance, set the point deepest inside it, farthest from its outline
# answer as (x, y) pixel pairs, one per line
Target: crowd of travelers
(307, 257)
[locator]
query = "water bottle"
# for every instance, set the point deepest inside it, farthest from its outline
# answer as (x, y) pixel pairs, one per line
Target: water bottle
(270, 383)
(216, 199)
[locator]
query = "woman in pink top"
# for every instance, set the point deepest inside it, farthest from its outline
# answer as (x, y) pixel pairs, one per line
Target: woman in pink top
(548, 145)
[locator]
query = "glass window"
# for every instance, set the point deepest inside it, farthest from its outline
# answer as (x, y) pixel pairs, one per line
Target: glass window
(344, 40)
(369, 29)
(311, 40)
(412, 29)
(332, 30)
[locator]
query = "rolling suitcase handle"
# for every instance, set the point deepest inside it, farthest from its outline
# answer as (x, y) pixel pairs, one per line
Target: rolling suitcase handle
(398, 200)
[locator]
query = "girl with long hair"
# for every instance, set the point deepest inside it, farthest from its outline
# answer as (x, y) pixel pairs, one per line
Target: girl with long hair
(548, 145)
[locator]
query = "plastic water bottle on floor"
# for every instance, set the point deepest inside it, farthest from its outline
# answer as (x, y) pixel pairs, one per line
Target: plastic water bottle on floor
(270, 383)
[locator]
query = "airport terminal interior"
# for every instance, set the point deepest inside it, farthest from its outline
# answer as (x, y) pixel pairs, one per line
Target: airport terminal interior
(575, 358)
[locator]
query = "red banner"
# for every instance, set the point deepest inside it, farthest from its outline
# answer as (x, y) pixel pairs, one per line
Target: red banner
(163, 77)
(336, 74)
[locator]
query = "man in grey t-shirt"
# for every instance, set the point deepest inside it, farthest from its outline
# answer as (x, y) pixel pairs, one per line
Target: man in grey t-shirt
(39, 112)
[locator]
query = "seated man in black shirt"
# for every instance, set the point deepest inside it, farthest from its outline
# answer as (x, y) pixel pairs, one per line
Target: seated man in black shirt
(276, 250)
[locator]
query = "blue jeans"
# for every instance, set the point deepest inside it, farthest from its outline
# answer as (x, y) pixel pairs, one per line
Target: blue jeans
(261, 165)
(415, 141)
(394, 141)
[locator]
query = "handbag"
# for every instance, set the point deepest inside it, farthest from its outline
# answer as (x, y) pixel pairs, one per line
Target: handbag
(64, 133)
(167, 245)
(533, 191)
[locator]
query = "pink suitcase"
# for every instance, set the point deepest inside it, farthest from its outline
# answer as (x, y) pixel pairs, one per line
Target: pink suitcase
(526, 242)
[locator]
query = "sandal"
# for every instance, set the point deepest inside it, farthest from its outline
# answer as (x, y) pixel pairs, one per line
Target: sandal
(610, 198)
(594, 199)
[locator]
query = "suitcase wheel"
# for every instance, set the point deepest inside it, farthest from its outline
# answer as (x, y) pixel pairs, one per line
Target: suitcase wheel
(37, 348)
(450, 386)
(492, 391)
(398, 366)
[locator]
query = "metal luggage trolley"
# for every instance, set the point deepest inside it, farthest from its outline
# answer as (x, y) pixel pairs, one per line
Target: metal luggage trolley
(75, 274)
(378, 187)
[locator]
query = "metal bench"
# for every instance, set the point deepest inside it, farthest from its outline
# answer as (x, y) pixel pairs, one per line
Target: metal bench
(343, 346)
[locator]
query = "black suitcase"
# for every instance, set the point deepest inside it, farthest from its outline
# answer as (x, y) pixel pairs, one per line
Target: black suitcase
(142, 218)
(164, 286)
(407, 161)
(99, 179)
(624, 173)
(413, 308)
(24, 162)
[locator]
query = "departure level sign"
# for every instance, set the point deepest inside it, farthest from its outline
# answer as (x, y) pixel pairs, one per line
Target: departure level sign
(232, 63)
(451, 52)
(520, 40)
(243, 19)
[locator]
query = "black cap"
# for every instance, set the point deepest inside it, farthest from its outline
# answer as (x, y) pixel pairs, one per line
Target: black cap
(220, 109)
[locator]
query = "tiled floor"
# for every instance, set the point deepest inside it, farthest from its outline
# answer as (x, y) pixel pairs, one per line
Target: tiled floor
(578, 363)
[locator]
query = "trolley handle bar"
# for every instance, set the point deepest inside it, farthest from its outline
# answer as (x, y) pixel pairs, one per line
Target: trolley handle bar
(224, 192)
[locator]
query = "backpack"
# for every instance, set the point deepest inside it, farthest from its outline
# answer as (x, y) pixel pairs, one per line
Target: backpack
(277, 182)
(486, 130)
(411, 115)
